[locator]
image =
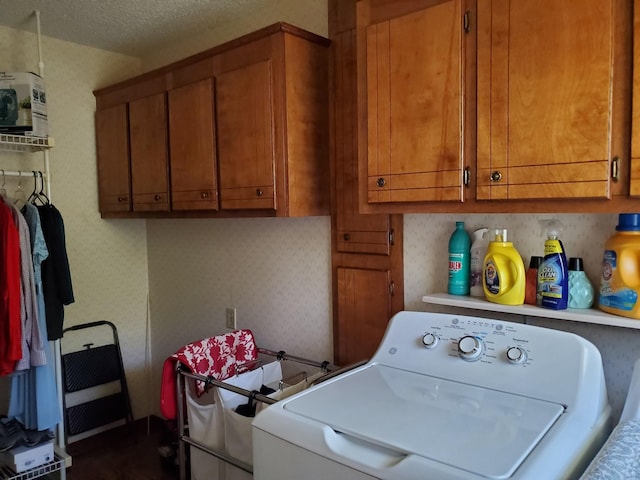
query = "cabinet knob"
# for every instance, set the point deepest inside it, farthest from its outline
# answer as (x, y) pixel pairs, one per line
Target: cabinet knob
(122, 199)
(204, 195)
(259, 192)
(496, 176)
(157, 198)
(381, 182)
(346, 237)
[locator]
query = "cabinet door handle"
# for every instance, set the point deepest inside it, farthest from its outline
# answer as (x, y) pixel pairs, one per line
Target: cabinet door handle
(157, 198)
(466, 176)
(381, 182)
(615, 169)
(204, 195)
(122, 199)
(346, 237)
(496, 176)
(259, 192)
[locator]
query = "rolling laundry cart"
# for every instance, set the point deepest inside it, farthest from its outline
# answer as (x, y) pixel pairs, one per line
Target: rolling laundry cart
(94, 384)
(202, 384)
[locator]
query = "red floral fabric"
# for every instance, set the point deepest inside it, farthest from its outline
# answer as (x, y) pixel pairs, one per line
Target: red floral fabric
(220, 357)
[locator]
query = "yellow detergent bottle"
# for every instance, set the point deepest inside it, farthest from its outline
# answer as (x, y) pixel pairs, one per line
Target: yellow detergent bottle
(620, 280)
(503, 278)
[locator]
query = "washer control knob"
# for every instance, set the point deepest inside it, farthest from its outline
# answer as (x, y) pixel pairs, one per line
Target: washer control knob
(516, 355)
(430, 340)
(470, 348)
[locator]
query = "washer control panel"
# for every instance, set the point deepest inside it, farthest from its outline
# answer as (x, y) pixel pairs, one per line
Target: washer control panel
(506, 356)
(473, 339)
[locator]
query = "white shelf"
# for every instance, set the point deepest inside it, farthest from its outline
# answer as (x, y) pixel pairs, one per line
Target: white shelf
(589, 315)
(24, 143)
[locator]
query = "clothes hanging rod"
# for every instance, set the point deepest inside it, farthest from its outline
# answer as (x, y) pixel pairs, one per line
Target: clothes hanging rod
(21, 173)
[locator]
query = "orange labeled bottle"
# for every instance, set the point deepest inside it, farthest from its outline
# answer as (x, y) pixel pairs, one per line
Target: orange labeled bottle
(620, 280)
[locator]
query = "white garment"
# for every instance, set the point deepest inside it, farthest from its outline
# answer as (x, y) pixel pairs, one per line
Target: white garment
(213, 422)
(290, 390)
(206, 425)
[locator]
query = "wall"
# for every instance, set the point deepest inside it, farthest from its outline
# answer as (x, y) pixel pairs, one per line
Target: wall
(274, 271)
(108, 259)
(426, 245)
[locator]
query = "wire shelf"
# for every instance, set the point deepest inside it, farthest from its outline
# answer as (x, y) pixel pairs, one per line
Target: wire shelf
(24, 143)
(58, 463)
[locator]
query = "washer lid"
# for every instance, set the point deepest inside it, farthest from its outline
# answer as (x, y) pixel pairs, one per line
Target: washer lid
(482, 431)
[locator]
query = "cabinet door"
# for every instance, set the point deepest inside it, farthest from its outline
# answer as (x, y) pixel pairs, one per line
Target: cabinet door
(364, 309)
(112, 139)
(191, 140)
(635, 125)
(355, 232)
(414, 85)
(246, 152)
(149, 162)
(545, 72)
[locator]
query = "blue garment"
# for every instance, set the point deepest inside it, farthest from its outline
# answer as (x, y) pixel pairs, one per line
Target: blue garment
(34, 394)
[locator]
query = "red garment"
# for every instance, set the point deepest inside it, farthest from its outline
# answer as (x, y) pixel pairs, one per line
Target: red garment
(219, 357)
(10, 323)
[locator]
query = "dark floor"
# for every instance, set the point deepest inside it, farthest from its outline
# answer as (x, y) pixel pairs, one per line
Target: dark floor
(124, 453)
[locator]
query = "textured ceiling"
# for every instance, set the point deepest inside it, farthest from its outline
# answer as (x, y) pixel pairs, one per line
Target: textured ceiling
(132, 27)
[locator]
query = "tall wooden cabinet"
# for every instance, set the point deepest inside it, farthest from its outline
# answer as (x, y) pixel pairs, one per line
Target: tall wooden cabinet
(238, 130)
(411, 80)
(367, 266)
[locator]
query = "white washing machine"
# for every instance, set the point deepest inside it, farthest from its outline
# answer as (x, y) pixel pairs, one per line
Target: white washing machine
(445, 397)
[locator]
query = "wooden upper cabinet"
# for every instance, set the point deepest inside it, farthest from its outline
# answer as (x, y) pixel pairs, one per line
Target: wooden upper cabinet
(546, 72)
(634, 189)
(112, 138)
(411, 84)
(246, 134)
(241, 129)
(272, 125)
(149, 160)
(192, 147)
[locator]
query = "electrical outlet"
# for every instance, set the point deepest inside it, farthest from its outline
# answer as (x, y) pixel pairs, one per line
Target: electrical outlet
(231, 318)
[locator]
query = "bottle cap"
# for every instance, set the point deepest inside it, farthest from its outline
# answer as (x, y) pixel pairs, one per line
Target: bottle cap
(499, 235)
(535, 262)
(575, 264)
(628, 222)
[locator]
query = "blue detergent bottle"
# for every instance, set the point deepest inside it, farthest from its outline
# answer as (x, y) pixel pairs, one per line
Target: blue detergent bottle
(553, 273)
(459, 261)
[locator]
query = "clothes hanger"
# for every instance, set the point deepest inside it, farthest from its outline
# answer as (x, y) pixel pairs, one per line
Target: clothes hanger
(19, 198)
(3, 190)
(40, 196)
(34, 195)
(41, 192)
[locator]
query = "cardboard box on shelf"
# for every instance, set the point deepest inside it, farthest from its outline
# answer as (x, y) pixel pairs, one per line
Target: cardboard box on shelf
(24, 458)
(23, 104)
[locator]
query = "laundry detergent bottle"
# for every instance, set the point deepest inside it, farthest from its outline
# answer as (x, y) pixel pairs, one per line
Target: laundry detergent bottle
(503, 277)
(459, 260)
(478, 251)
(553, 273)
(620, 280)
